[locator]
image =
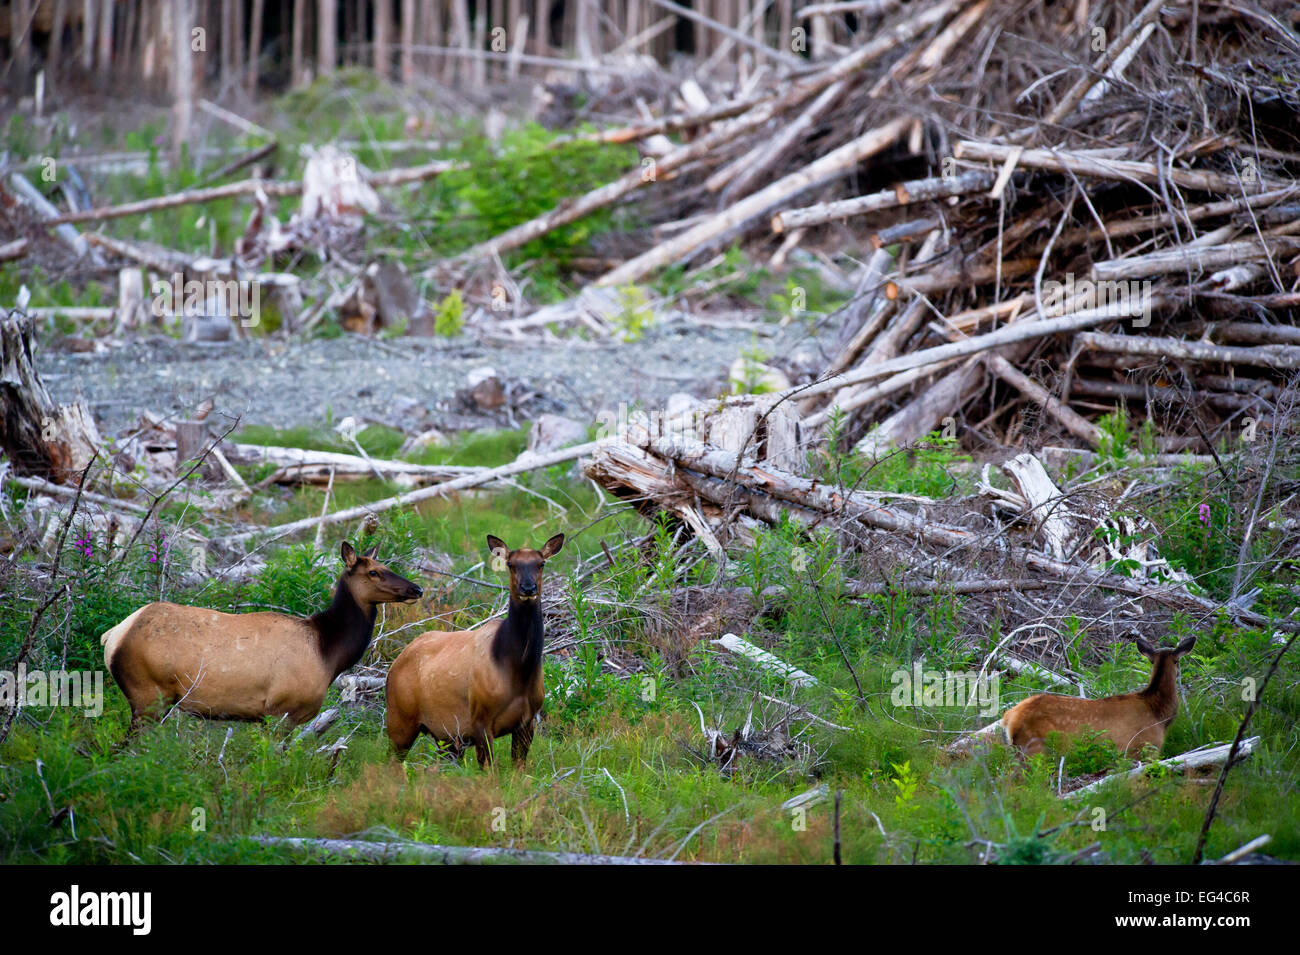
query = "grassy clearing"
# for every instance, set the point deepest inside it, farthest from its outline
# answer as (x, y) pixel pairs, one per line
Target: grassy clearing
(619, 764)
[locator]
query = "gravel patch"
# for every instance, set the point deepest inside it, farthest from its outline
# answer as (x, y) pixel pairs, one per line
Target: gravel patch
(408, 381)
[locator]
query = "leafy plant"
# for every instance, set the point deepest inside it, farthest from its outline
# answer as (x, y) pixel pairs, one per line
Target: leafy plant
(450, 316)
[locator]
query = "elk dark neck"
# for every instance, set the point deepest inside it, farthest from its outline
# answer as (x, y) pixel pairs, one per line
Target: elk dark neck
(1161, 693)
(518, 641)
(345, 629)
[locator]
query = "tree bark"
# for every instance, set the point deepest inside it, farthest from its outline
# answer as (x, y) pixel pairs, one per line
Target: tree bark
(39, 437)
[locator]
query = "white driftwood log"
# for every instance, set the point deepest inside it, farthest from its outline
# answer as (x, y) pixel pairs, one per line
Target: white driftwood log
(1196, 759)
(765, 660)
(357, 849)
(300, 466)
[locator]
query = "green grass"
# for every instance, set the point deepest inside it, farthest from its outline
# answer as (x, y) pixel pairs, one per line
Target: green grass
(618, 764)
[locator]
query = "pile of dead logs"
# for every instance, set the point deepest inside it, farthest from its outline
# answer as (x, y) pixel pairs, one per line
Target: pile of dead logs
(1031, 281)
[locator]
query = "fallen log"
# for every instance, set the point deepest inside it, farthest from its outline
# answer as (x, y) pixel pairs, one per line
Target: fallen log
(768, 491)
(1195, 759)
(766, 661)
(1075, 423)
(929, 587)
(797, 93)
(1278, 357)
(1043, 500)
(34, 197)
(357, 849)
(742, 174)
(923, 414)
(299, 466)
(1194, 259)
(1023, 330)
(834, 163)
(245, 187)
(485, 476)
(1119, 170)
(1165, 394)
(905, 193)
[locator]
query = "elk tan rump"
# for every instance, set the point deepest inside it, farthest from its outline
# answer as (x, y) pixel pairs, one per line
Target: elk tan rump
(1124, 720)
(213, 664)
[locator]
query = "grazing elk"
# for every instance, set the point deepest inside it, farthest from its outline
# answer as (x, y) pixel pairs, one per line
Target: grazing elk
(1130, 720)
(247, 666)
(472, 686)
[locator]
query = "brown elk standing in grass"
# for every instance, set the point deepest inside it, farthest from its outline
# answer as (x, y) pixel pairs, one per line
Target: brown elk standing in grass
(472, 686)
(247, 666)
(1131, 720)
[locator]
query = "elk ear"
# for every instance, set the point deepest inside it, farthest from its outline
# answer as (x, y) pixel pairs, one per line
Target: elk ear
(349, 555)
(498, 547)
(370, 554)
(1145, 648)
(552, 546)
(1185, 647)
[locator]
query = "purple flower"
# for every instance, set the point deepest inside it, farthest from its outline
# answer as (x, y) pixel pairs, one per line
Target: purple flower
(1205, 514)
(85, 545)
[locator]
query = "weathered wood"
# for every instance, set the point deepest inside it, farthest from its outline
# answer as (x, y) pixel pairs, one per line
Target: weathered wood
(766, 661)
(1044, 503)
(834, 163)
(387, 852)
(1119, 170)
(13, 250)
(38, 436)
(300, 466)
(905, 193)
(766, 109)
(486, 476)
(922, 415)
(768, 492)
(33, 197)
(1279, 357)
(245, 187)
(1023, 330)
(1075, 423)
(1185, 258)
(1196, 759)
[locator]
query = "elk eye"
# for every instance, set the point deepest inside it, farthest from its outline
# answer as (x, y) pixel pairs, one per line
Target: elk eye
(375, 574)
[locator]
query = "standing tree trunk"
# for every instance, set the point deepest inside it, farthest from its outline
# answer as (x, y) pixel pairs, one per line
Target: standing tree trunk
(105, 55)
(383, 30)
(255, 44)
(408, 41)
(431, 30)
(543, 47)
(182, 12)
(55, 59)
(38, 436)
(299, 25)
(20, 28)
(237, 40)
(326, 52)
(87, 35)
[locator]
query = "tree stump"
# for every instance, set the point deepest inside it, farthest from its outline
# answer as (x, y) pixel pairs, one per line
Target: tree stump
(39, 437)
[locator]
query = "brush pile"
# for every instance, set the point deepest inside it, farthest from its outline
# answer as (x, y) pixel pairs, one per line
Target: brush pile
(1065, 208)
